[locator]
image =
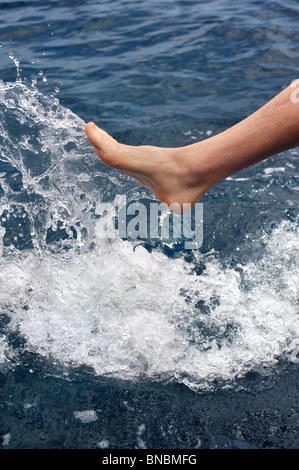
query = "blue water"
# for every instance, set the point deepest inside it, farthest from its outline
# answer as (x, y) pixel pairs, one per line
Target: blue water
(117, 346)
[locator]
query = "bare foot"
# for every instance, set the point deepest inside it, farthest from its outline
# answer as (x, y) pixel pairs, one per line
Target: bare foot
(183, 175)
(175, 175)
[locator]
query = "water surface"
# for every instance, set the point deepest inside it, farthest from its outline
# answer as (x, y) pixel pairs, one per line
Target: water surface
(118, 344)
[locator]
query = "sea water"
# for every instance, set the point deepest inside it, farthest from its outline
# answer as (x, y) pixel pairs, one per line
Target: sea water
(144, 343)
(113, 305)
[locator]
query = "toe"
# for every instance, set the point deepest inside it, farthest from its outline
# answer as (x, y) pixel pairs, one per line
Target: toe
(99, 138)
(105, 146)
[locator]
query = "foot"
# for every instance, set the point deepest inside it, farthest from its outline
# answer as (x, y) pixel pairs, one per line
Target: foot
(175, 175)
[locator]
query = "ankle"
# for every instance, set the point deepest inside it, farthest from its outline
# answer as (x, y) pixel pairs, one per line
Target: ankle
(203, 163)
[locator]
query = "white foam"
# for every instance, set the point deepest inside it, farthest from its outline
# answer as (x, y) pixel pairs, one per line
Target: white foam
(103, 444)
(269, 171)
(141, 443)
(3, 346)
(86, 416)
(6, 439)
(124, 313)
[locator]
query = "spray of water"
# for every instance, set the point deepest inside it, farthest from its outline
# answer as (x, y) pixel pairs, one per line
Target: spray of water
(112, 305)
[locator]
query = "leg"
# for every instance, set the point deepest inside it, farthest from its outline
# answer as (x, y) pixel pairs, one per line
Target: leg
(185, 174)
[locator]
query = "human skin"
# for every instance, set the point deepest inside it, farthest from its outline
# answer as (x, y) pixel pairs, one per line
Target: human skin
(184, 174)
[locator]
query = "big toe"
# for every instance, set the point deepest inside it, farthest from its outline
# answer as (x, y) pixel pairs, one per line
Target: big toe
(105, 146)
(98, 137)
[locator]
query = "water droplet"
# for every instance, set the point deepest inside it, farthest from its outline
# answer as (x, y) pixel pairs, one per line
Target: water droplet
(17, 64)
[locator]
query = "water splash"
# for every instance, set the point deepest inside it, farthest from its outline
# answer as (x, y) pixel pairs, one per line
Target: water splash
(114, 306)
(17, 65)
